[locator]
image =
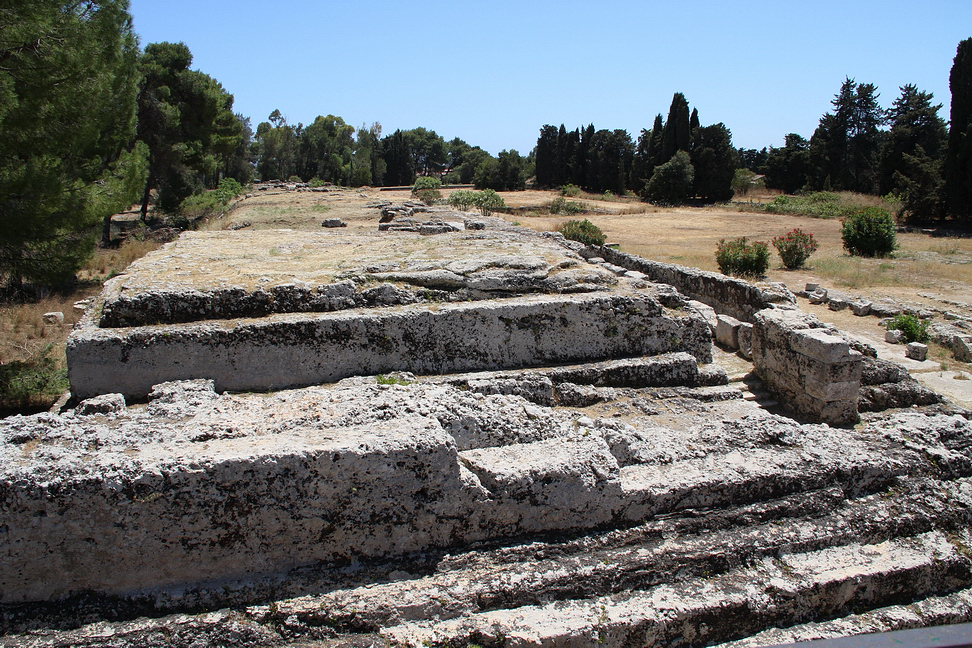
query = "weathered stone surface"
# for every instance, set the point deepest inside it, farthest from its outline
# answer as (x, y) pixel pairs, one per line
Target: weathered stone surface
(104, 404)
(917, 351)
(727, 332)
(745, 337)
(293, 350)
(233, 489)
(894, 336)
(812, 371)
(227, 275)
(333, 222)
(728, 295)
(55, 318)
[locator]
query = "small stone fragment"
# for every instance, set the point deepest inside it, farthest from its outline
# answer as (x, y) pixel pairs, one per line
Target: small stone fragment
(104, 404)
(894, 337)
(56, 318)
(917, 351)
(333, 222)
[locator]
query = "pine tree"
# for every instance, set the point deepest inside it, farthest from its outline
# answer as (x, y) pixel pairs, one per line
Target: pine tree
(958, 159)
(68, 80)
(847, 143)
(788, 168)
(186, 119)
(914, 122)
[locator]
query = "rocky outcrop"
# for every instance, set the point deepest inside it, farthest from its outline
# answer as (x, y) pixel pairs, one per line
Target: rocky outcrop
(737, 523)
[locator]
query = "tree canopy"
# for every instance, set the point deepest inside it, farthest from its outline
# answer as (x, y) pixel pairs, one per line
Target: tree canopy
(68, 83)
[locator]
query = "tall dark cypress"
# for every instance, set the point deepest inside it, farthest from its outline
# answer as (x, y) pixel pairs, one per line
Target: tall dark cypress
(958, 157)
(678, 133)
(546, 156)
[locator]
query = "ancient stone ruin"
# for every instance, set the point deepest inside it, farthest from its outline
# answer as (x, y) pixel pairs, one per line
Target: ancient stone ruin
(487, 437)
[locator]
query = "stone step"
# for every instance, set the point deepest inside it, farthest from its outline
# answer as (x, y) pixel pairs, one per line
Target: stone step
(666, 550)
(696, 611)
(932, 611)
(292, 350)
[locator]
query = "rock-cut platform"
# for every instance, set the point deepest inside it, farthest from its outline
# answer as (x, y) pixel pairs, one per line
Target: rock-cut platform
(259, 311)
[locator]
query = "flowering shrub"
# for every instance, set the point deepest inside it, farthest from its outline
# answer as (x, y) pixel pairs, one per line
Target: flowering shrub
(795, 247)
(742, 259)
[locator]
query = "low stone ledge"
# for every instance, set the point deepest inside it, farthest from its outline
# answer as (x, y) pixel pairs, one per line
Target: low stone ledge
(728, 295)
(285, 351)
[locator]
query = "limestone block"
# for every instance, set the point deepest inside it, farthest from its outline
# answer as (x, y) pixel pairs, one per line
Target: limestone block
(860, 308)
(832, 391)
(837, 304)
(820, 345)
(291, 350)
(707, 312)
(894, 336)
(104, 404)
(745, 337)
(560, 483)
(55, 318)
(727, 332)
(917, 351)
(333, 222)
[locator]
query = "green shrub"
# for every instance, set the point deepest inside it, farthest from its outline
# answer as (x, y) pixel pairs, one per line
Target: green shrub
(294, 178)
(870, 232)
(583, 231)
(227, 190)
(914, 329)
(426, 189)
(672, 182)
(795, 247)
(488, 201)
(462, 199)
(570, 190)
(742, 259)
(29, 385)
(565, 207)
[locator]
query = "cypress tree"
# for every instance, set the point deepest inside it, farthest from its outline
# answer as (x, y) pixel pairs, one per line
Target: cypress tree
(656, 145)
(677, 135)
(958, 159)
(546, 156)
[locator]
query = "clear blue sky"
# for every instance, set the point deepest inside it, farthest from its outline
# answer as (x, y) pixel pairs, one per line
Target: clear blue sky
(493, 73)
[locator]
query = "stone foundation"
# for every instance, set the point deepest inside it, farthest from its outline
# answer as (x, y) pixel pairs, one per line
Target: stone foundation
(293, 350)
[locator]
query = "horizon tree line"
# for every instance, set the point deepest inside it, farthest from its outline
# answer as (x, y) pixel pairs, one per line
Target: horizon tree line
(91, 123)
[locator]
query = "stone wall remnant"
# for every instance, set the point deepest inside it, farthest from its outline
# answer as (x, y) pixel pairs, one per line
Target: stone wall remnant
(812, 372)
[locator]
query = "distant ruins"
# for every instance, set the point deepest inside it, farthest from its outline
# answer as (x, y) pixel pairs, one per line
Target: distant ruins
(483, 436)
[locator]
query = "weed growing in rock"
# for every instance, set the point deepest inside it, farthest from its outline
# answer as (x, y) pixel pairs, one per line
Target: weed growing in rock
(795, 247)
(583, 231)
(914, 329)
(392, 380)
(739, 258)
